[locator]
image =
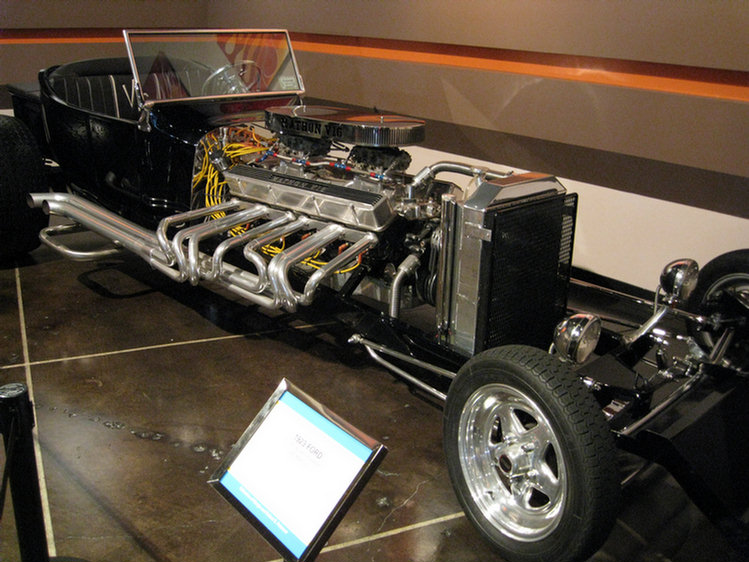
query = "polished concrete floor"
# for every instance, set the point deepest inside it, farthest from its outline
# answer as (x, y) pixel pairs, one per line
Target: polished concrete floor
(141, 386)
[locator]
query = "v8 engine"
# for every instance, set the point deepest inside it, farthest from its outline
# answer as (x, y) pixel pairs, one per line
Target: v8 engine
(326, 200)
(321, 198)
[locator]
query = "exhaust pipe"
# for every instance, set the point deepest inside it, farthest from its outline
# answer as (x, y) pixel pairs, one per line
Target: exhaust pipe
(181, 259)
(121, 232)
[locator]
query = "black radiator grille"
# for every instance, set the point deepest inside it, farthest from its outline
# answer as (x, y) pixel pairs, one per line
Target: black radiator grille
(526, 276)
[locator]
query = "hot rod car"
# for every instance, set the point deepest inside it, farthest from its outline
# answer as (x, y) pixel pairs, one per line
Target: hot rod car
(196, 153)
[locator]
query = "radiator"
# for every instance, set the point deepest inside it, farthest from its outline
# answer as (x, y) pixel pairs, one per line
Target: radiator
(506, 266)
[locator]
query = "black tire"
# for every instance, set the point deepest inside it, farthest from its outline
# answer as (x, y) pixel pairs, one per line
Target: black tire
(729, 270)
(514, 410)
(21, 173)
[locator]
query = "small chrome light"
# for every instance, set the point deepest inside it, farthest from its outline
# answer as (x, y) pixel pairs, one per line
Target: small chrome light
(576, 337)
(679, 279)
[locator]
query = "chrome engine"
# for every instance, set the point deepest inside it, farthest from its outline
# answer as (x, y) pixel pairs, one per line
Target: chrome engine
(339, 165)
(335, 179)
(322, 196)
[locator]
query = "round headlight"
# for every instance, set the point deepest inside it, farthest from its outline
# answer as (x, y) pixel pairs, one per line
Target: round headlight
(577, 336)
(679, 278)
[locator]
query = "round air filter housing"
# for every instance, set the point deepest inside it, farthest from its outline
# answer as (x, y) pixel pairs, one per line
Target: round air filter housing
(345, 125)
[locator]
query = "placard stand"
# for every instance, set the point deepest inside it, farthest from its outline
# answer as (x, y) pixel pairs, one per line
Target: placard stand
(295, 471)
(16, 425)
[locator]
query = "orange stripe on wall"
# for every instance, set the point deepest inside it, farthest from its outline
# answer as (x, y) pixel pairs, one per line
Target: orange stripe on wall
(675, 79)
(695, 81)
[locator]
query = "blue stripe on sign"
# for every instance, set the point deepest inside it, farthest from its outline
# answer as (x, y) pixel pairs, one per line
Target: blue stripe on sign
(268, 520)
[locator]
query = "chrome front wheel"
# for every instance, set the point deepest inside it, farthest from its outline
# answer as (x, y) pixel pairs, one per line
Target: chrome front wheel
(512, 463)
(530, 456)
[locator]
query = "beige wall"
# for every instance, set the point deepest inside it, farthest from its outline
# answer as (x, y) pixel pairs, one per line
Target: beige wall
(21, 62)
(704, 137)
(693, 131)
(682, 148)
(693, 32)
(101, 13)
(710, 33)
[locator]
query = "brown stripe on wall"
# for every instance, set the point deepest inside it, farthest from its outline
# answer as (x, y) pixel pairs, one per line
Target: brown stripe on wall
(707, 82)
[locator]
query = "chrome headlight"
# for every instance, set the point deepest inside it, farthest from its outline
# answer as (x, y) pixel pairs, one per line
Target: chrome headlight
(576, 337)
(679, 278)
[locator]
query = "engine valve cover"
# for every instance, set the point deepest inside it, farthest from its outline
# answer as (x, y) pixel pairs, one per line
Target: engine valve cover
(360, 209)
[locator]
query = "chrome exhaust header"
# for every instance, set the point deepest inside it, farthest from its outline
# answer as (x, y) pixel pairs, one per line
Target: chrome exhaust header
(266, 281)
(123, 234)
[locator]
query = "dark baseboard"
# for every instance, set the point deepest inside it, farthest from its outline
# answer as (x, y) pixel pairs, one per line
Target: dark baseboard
(611, 284)
(5, 102)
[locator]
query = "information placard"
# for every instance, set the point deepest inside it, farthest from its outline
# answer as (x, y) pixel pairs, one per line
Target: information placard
(296, 470)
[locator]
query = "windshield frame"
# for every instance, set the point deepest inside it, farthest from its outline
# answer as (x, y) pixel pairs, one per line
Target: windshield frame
(134, 37)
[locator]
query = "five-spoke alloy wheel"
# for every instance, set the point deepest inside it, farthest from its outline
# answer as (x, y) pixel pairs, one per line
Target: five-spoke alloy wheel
(530, 455)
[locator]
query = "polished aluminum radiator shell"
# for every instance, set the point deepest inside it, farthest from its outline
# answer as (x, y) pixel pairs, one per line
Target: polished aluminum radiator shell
(504, 279)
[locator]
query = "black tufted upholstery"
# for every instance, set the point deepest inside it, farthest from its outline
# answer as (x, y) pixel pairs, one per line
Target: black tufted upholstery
(103, 86)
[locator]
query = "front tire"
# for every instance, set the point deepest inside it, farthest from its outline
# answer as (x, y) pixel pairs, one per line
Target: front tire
(530, 456)
(21, 173)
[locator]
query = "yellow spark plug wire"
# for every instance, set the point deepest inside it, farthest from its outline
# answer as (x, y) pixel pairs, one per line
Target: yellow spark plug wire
(244, 142)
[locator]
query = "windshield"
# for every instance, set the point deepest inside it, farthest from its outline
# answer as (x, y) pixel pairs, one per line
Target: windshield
(178, 65)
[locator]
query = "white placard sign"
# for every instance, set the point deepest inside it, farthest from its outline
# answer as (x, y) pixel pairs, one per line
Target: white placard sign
(295, 471)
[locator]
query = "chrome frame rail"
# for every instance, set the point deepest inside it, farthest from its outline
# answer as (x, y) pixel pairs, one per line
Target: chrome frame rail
(373, 348)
